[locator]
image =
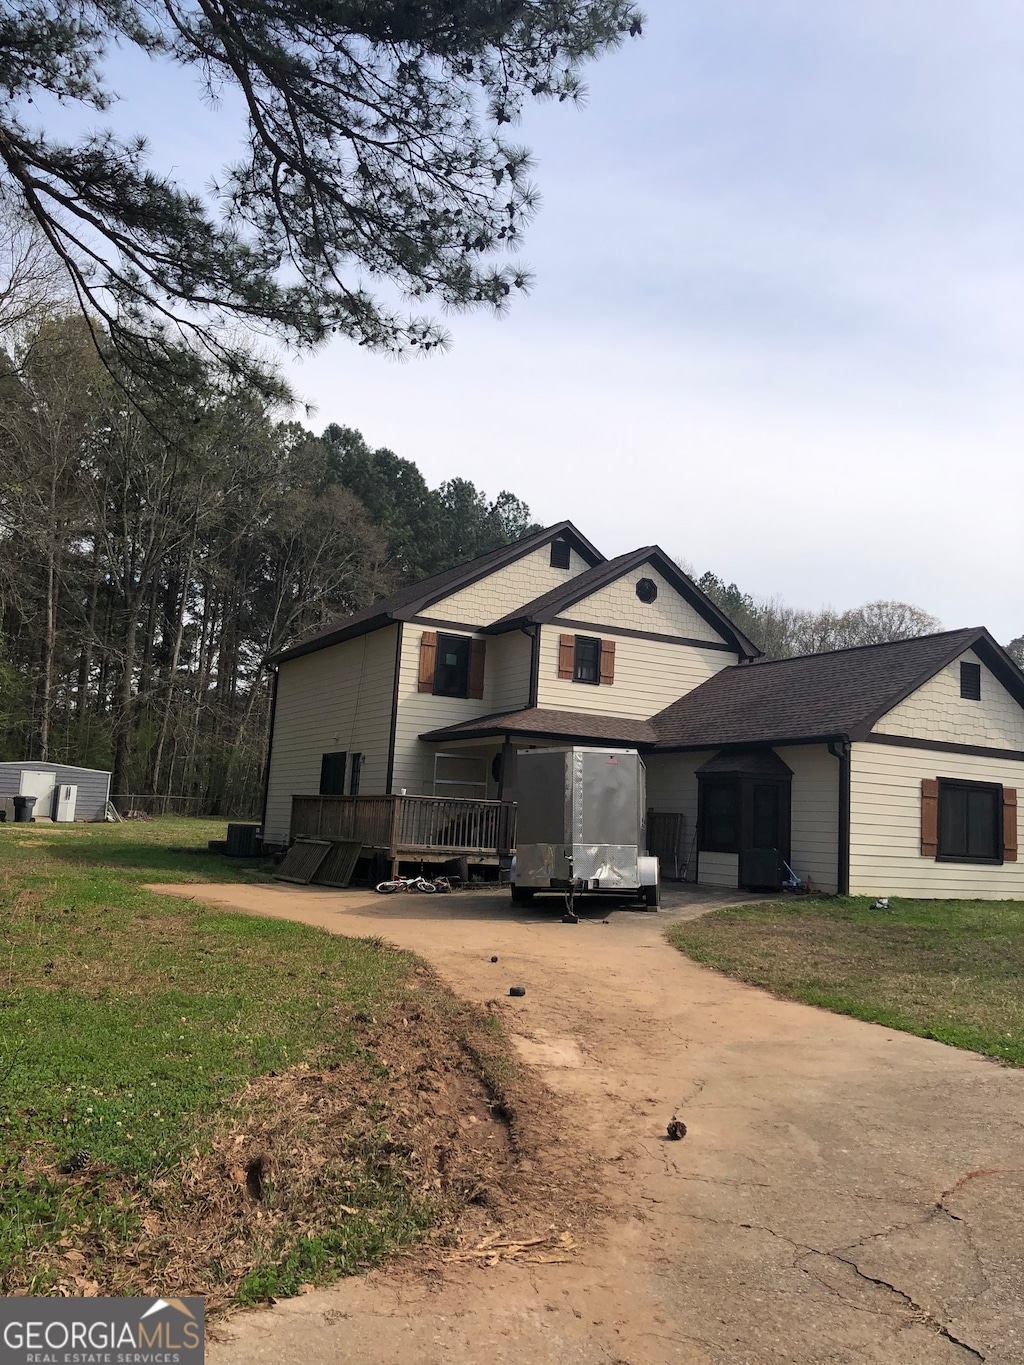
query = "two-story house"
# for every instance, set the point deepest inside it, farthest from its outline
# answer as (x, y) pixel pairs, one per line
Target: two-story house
(891, 768)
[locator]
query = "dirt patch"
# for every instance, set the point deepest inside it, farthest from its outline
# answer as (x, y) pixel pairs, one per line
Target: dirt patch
(432, 1137)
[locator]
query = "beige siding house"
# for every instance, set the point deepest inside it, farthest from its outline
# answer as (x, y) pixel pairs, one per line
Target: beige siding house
(891, 769)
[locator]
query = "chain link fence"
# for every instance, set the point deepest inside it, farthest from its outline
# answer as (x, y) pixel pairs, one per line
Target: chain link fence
(194, 806)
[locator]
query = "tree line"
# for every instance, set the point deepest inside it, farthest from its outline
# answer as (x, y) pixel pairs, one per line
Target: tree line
(783, 631)
(156, 547)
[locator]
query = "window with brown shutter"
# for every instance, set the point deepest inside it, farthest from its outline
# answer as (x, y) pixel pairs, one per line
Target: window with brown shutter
(451, 675)
(586, 666)
(428, 660)
(476, 669)
(929, 817)
(1009, 824)
(566, 655)
(970, 821)
(586, 659)
(607, 662)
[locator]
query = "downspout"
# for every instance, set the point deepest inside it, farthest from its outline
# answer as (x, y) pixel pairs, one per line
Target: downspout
(393, 728)
(270, 746)
(532, 633)
(840, 749)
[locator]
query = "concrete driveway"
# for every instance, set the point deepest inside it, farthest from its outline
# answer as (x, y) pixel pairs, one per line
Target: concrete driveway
(844, 1194)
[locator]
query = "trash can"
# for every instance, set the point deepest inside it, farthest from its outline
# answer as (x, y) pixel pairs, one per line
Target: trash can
(23, 809)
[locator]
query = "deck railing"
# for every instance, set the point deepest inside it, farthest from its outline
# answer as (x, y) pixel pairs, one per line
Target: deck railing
(399, 825)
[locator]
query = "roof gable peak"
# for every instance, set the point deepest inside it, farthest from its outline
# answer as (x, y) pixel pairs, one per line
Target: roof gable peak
(542, 610)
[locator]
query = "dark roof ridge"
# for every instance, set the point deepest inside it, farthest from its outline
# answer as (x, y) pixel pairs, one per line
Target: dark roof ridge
(406, 601)
(548, 605)
(836, 694)
(977, 631)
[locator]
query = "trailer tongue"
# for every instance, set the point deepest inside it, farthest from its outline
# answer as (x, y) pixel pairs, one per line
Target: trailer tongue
(581, 825)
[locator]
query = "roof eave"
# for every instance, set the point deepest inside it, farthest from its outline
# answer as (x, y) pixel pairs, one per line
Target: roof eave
(672, 747)
(683, 584)
(528, 545)
(337, 637)
(864, 728)
(445, 735)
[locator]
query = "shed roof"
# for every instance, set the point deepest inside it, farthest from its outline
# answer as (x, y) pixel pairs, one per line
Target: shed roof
(537, 722)
(820, 696)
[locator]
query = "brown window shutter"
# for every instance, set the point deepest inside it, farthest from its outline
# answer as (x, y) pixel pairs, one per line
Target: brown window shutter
(1009, 825)
(607, 661)
(477, 651)
(929, 817)
(566, 656)
(428, 660)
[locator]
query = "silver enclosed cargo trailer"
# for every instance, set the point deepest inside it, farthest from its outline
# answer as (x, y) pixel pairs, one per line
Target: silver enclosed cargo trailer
(581, 816)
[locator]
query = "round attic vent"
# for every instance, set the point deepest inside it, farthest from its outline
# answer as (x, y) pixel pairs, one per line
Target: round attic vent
(647, 590)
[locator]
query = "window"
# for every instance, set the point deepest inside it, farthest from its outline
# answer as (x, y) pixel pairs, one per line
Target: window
(355, 773)
(647, 590)
(970, 681)
(765, 815)
(587, 662)
(970, 822)
(559, 554)
(720, 807)
(332, 774)
(585, 659)
(451, 673)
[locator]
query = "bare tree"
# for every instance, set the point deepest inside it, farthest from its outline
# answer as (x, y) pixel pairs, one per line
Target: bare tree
(32, 282)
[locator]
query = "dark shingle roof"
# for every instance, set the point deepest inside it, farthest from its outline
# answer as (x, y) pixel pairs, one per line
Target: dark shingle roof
(818, 696)
(551, 604)
(568, 725)
(411, 600)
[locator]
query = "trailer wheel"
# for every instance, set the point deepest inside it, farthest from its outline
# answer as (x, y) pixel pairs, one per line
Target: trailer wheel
(522, 896)
(652, 895)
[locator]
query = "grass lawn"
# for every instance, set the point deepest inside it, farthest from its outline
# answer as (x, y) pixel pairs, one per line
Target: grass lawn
(950, 970)
(244, 1137)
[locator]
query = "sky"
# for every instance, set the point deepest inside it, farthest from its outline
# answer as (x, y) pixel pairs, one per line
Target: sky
(777, 324)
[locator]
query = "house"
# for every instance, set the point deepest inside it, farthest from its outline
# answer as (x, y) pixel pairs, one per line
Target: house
(891, 768)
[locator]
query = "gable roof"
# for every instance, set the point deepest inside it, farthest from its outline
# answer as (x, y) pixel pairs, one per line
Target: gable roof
(409, 601)
(542, 610)
(539, 723)
(841, 694)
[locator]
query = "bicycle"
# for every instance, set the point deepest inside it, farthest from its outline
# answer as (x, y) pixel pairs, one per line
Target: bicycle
(413, 884)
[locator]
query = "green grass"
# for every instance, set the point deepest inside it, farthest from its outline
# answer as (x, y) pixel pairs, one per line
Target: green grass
(130, 1025)
(949, 970)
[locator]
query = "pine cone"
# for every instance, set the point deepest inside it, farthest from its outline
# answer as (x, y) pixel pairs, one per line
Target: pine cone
(75, 1163)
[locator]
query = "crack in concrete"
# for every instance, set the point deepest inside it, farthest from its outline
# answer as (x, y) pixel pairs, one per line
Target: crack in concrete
(921, 1313)
(925, 1316)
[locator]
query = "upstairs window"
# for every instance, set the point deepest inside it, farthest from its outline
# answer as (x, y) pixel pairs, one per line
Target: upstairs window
(970, 681)
(586, 659)
(451, 674)
(452, 665)
(970, 822)
(332, 774)
(586, 666)
(355, 774)
(559, 554)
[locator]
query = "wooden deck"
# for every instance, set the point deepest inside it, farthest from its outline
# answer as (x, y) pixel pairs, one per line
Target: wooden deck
(403, 828)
